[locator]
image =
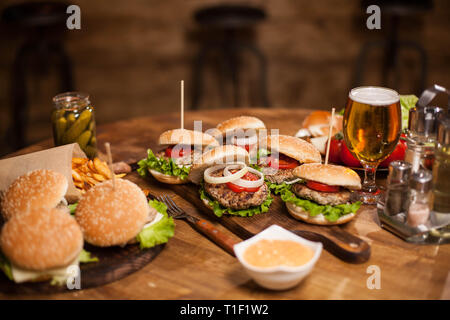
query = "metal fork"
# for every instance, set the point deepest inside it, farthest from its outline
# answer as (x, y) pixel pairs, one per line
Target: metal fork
(205, 227)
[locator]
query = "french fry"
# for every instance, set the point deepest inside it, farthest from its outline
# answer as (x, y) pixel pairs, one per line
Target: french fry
(98, 177)
(87, 173)
(90, 164)
(76, 176)
(91, 181)
(79, 185)
(79, 161)
(102, 168)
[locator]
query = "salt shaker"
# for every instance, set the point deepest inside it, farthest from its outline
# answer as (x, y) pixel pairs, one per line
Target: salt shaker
(419, 198)
(397, 187)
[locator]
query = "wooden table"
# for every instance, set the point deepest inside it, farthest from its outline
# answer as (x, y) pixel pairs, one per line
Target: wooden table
(192, 267)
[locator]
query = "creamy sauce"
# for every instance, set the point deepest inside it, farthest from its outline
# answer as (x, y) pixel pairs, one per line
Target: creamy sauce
(271, 253)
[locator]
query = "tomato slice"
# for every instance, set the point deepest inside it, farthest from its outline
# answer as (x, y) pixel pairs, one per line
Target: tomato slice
(181, 152)
(322, 187)
(248, 176)
(246, 147)
(283, 162)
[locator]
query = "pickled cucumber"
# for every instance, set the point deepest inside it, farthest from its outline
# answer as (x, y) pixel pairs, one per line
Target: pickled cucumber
(70, 119)
(58, 114)
(78, 127)
(91, 152)
(83, 139)
(60, 127)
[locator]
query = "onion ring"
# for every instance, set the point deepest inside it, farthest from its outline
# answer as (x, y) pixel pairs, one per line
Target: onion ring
(246, 183)
(217, 180)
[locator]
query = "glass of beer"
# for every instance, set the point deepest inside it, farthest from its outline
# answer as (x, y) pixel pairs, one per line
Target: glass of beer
(372, 127)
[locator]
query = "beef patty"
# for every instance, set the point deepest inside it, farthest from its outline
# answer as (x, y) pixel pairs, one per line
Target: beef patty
(324, 198)
(278, 176)
(235, 200)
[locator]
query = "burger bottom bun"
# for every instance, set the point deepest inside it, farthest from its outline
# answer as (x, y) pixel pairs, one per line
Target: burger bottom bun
(300, 214)
(166, 178)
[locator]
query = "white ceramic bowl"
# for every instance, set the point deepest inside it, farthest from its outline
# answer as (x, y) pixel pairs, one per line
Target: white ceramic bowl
(279, 277)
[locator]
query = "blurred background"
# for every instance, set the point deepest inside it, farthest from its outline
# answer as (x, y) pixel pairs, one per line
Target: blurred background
(130, 55)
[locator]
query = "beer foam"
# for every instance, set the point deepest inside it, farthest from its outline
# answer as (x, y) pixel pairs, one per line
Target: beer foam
(376, 96)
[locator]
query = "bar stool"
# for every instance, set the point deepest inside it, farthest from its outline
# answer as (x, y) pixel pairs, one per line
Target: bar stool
(394, 11)
(44, 26)
(224, 28)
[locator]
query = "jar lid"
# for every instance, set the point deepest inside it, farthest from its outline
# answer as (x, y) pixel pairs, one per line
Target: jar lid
(421, 180)
(399, 172)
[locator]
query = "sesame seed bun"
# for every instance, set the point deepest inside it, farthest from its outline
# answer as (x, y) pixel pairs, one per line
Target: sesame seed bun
(218, 155)
(110, 217)
(35, 189)
(188, 137)
(329, 174)
(41, 239)
(293, 147)
(243, 122)
(300, 214)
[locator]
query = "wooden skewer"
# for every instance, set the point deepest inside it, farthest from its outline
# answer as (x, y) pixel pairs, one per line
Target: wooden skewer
(182, 104)
(108, 152)
(329, 136)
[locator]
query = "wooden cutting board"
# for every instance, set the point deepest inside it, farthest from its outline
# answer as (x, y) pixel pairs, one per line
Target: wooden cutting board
(114, 263)
(336, 239)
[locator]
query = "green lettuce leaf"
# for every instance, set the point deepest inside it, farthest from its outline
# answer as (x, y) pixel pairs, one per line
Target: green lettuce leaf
(85, 257)
(407, 102)
(72, 208)
(331, 213)
(159, 232)
(219, 210)
(162, 165)
(5, 266)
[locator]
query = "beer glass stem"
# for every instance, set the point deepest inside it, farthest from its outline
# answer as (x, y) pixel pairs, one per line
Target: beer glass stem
(369, 184)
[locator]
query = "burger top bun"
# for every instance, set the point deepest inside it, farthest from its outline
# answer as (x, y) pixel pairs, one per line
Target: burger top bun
(41, 239)
(188, 137)
(242, 122)
(318, 123)
(219, 155)
(35, 189)
(294, 147)
(110, 216)
(329, 174)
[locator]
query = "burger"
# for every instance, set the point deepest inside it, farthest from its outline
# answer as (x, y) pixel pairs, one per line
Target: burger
(36, 189)
(240, 131)
(180, 147)
(39, 245)
(316, 127)
(279, 155)
(117, 213)
(323, 194)
(228, 184)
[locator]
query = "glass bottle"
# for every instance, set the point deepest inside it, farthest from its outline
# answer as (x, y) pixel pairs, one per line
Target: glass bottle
(73, 120)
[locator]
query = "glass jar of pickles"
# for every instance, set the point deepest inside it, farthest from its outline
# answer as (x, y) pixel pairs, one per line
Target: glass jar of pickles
(73, 120)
